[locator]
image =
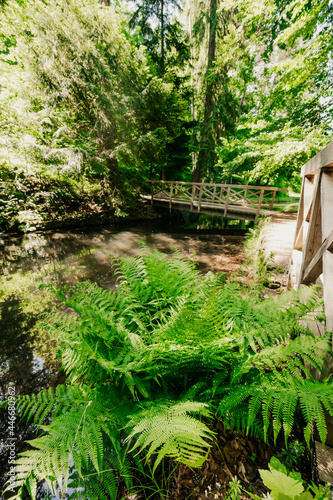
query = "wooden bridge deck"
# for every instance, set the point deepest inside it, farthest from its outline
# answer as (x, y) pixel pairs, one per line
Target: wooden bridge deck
(225, 200)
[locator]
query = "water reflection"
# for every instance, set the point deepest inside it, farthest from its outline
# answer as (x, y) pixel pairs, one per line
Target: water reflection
(27, 355)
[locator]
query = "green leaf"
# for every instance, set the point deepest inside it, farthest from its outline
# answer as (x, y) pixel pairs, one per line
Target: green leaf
(279, 483)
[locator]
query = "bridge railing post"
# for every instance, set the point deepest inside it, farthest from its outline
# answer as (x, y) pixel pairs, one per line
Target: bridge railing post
(270, 206)
(214, 194)
(152, 194)
(245, 196)
(227, 202)
(200, 196)
(327, 234)
(194, 187)
(170, 196)
(262, 190)
(312, 255)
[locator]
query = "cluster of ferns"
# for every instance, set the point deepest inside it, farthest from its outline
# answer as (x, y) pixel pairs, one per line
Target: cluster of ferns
(150, 364)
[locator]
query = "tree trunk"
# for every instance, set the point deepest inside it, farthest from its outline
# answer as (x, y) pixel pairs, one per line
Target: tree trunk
(162, 38)
(206, 152)
(112, 164)
(192, 79)
(107, 147)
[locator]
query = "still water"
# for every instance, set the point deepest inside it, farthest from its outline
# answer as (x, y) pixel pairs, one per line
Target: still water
(27, 355)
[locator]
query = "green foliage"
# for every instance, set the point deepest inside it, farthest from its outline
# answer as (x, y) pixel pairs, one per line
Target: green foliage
(29, 200)
(288, 485)
(173, 432)
(234, 490)
(78, 112)
(294, 453)
(268, 72)
(257, 257)
(280, 482)
(167, 43)
(261, 154)
(148, 363)
(247, 89)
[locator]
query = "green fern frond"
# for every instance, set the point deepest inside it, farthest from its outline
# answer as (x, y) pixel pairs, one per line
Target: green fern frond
(170, 430)
(276, 400)
(48, 402)
(136, 358)
(103, 486)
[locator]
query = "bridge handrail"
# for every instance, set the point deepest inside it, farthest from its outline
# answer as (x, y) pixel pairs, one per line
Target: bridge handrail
(313, 244)
(212, 184)
(223, 195)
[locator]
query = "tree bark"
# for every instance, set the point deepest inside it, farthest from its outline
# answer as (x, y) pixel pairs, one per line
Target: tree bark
(192, 79)
(162, 38)
(206, 152)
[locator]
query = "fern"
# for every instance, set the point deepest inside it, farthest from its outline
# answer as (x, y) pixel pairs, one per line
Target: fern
(275, 399)
(48, 403)
(170, 431)
(92, 485)
(148, 363)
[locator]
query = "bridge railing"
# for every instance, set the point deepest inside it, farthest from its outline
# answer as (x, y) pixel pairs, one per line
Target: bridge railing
(313, 245)
(209, 194)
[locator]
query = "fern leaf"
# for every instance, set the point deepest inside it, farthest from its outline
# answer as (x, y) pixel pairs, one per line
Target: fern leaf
(171, 431)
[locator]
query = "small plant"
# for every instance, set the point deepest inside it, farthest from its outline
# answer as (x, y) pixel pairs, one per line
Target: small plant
(235, 489)
(288, 485)
(294, 453)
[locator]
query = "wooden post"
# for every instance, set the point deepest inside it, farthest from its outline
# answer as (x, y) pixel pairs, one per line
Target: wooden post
(193, 196)
(170, 198)
(245, 196)
(200, 196)
(301, 230)
(227, 202)
(222, 189)
(312, 233)
(272, 200)
(327, 224)
(262, 190)
(214, 194)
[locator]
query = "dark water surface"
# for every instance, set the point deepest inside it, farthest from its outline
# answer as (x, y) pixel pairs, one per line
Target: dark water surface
(27, 356)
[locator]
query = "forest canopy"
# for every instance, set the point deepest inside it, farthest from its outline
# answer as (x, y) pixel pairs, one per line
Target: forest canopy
(96, 98)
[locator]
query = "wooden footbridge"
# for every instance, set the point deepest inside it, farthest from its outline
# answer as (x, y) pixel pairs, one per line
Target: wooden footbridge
(225, 200)
(313, 245)
(312, 257)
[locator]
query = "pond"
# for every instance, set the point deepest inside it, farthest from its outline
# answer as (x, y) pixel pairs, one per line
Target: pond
(28, 360)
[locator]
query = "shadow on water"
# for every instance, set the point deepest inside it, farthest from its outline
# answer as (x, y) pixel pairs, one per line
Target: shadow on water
(27, 355)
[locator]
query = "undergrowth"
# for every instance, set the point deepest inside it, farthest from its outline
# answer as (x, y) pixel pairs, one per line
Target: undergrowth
(150, 363)
(32, 200)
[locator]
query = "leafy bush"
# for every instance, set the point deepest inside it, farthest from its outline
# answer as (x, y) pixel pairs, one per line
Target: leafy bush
(149, 363)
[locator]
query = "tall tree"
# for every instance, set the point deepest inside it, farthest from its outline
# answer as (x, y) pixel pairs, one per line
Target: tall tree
(286, 117)
(222, 56)
(146, 15)
(206, 152)
(266, 76)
